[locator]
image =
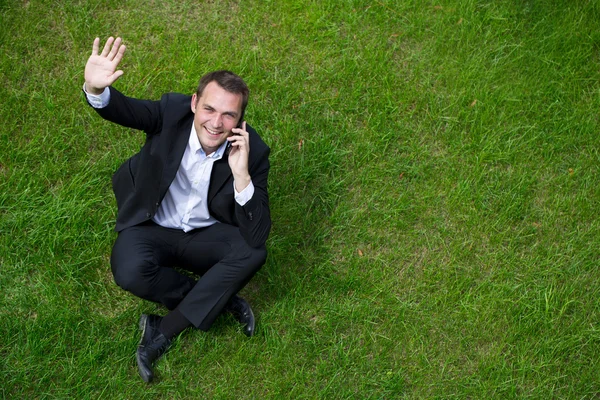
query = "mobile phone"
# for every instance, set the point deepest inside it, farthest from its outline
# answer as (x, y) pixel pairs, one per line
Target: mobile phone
(228, 146)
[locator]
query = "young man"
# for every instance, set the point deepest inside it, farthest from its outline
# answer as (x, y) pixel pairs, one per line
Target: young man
(194, 198)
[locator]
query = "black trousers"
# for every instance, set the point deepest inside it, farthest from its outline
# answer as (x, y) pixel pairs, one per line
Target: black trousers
(145, 257)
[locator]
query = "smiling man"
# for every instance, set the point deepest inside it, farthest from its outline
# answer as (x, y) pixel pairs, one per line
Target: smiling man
(193, 199)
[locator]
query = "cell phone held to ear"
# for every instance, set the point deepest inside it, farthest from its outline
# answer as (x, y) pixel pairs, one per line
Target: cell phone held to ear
(228, 146)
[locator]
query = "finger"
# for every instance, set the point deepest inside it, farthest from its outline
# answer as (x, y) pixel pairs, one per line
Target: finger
(117, 75)
(237, 140)
(114, 49)
(95, 46)
(107, 45)
(239, 144)
(119, 55)
(242, 130)
(240, 135)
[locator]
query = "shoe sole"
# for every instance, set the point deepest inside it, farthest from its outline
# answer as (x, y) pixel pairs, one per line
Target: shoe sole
(142, 326)
(245, 328)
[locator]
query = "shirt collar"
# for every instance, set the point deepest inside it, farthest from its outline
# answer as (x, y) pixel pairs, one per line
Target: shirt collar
(196, 148)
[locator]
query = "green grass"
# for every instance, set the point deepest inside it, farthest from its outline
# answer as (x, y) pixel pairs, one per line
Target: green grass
(434, 192)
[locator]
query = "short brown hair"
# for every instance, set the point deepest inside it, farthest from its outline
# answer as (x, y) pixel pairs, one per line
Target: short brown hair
(228, 81)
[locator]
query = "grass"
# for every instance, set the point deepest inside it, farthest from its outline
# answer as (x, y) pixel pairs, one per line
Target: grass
(434, 192)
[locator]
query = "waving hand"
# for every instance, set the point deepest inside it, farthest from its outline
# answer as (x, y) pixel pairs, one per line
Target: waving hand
(101, 69)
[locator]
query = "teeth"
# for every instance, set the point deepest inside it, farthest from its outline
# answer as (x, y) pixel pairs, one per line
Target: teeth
(212, 132)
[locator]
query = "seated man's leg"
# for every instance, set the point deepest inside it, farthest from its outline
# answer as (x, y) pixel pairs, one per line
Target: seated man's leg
(141, 263)
(225, 262)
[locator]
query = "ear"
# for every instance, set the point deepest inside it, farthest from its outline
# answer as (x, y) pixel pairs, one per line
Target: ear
(193, 103)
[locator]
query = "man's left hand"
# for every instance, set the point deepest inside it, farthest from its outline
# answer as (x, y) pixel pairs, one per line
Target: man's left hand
(238, 157)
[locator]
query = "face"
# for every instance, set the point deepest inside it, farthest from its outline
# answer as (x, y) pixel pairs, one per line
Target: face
(217, 112)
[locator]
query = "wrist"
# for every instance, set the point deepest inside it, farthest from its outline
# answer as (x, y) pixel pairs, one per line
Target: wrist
(92, 90)
(241, 182)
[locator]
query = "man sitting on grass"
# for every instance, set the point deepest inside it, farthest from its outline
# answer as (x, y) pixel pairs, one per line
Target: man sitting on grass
(194, 198)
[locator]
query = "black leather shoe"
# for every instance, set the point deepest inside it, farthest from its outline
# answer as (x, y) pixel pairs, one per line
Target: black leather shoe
(240, 309)
(153, 344)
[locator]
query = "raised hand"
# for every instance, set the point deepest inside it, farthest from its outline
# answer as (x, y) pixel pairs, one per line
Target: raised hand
(238, 157)
(101, 69)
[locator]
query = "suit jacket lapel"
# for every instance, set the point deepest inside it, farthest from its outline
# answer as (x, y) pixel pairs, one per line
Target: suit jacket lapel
(220, 173)
(181, 134)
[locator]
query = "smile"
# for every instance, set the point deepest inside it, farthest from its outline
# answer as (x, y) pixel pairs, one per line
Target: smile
(211, 132)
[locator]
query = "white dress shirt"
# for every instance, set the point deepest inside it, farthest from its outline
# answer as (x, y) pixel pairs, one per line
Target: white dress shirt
(185, 204)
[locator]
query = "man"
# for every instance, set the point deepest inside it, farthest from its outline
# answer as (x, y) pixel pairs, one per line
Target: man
(194, 198)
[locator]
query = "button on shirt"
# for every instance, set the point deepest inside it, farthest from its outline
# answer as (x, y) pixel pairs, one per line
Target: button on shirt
(185, 204)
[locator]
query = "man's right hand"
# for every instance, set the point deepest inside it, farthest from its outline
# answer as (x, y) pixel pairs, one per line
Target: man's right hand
(101, 69)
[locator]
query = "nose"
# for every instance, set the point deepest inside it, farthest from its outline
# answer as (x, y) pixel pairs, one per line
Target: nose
(217, 121)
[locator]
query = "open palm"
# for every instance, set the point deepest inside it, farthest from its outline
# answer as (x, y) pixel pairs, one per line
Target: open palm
(101, 69)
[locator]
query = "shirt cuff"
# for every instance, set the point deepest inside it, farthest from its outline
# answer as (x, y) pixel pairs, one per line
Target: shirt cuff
(245, 195)
(98, 101)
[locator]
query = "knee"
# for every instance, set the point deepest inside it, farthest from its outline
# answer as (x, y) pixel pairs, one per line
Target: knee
(131, 276)
(250, 258)
(262, 255)
(258, 256)
(123, 274)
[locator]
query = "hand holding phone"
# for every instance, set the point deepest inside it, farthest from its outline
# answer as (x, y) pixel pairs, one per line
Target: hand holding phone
(229, 146)
(238, 157)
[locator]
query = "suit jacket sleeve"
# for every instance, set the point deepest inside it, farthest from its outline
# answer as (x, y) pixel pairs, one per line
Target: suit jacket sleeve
(254, 217)
(133, 113)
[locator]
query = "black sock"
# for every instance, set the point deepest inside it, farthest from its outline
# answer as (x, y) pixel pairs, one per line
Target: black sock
(173, 324)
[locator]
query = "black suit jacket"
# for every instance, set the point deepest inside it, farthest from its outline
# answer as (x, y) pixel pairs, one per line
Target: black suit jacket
(141, 182)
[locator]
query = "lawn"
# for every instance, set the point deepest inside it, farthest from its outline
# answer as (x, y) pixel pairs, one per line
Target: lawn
(434, 195)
